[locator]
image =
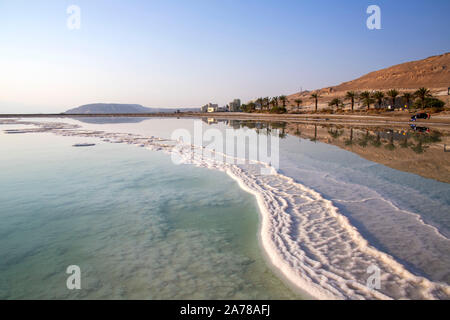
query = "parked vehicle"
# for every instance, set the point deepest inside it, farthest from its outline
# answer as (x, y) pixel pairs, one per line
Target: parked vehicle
(419, 129)
(423, 115)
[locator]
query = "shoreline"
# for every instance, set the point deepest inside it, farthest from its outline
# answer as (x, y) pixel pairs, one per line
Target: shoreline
(349, 119)
(264, 244)
(263, 223)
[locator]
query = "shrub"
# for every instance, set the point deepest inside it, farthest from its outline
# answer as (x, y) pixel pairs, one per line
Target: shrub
(278, 110)
(430, 103)
(327, 111)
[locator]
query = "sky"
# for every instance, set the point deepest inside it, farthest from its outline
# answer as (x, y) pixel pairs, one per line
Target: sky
(188, 53)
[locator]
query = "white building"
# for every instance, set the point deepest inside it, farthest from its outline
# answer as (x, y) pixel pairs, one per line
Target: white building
(210, 107)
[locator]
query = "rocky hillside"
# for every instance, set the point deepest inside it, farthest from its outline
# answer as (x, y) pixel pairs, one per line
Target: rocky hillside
(432, 73)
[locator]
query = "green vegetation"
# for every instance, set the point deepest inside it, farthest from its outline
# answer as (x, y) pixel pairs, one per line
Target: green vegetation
(283, 100)
(335, 102)
(351, 95)
(349, 141)
(260, 101)
(393, 94)
(335, 133)
(377, 142)
(278, 110)
(421, 99)
(274, 102)
(366, 99)
(316, 97)
(407, 97)
(379, 97)
(267, 102)
(298, 102)
(430, 102)
(422, 94)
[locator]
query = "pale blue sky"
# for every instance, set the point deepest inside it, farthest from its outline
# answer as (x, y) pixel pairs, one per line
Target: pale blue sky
(187, 53)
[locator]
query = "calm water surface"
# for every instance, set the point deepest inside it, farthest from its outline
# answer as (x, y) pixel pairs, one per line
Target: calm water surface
(137, 226)
(141, 227)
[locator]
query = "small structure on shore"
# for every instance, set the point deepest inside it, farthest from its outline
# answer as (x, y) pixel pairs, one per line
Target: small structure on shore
(210, 107)
(235, 105)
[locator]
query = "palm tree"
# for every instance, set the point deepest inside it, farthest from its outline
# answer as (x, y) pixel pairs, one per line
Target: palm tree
(335, 102)
(363, 142)
(366, 97)
(419, 148)
(315, 134)
(283, 99)
(260, 101)
(298, 102)
(422, 94)
(274, 102)
(351, 95)
(393, 95)
(335, 134)
(298, 132)
(316, 97)
(267, 102)
(404, 144)
(391, 145)
(349, 142)
(379, 96)
(408, 97)
(377, 142)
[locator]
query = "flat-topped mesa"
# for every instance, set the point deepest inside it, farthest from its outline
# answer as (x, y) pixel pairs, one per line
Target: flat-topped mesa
(117, 108)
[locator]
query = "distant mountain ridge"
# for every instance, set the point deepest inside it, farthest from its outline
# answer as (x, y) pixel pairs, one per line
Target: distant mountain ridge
(117, 108)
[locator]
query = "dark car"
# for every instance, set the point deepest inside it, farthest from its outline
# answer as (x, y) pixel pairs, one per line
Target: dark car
(419, 129)
(420, 116)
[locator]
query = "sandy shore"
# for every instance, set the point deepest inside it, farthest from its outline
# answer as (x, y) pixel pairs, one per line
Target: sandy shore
(442, 120)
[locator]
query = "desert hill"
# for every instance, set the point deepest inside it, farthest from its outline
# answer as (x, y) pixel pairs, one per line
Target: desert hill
(432, 73)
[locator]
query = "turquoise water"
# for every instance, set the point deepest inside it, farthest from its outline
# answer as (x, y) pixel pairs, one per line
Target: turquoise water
(141, 227)
(138, 226)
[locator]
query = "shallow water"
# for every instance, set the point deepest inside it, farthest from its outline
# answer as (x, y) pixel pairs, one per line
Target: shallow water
(137, 226)
(309, 232)
(400, 213)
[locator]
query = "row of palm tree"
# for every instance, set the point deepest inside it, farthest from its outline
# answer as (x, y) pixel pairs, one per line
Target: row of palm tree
(266, 103)
(274, 102)
(368, 98)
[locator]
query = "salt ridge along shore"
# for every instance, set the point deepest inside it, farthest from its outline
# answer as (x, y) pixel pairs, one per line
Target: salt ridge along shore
(305, 237)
